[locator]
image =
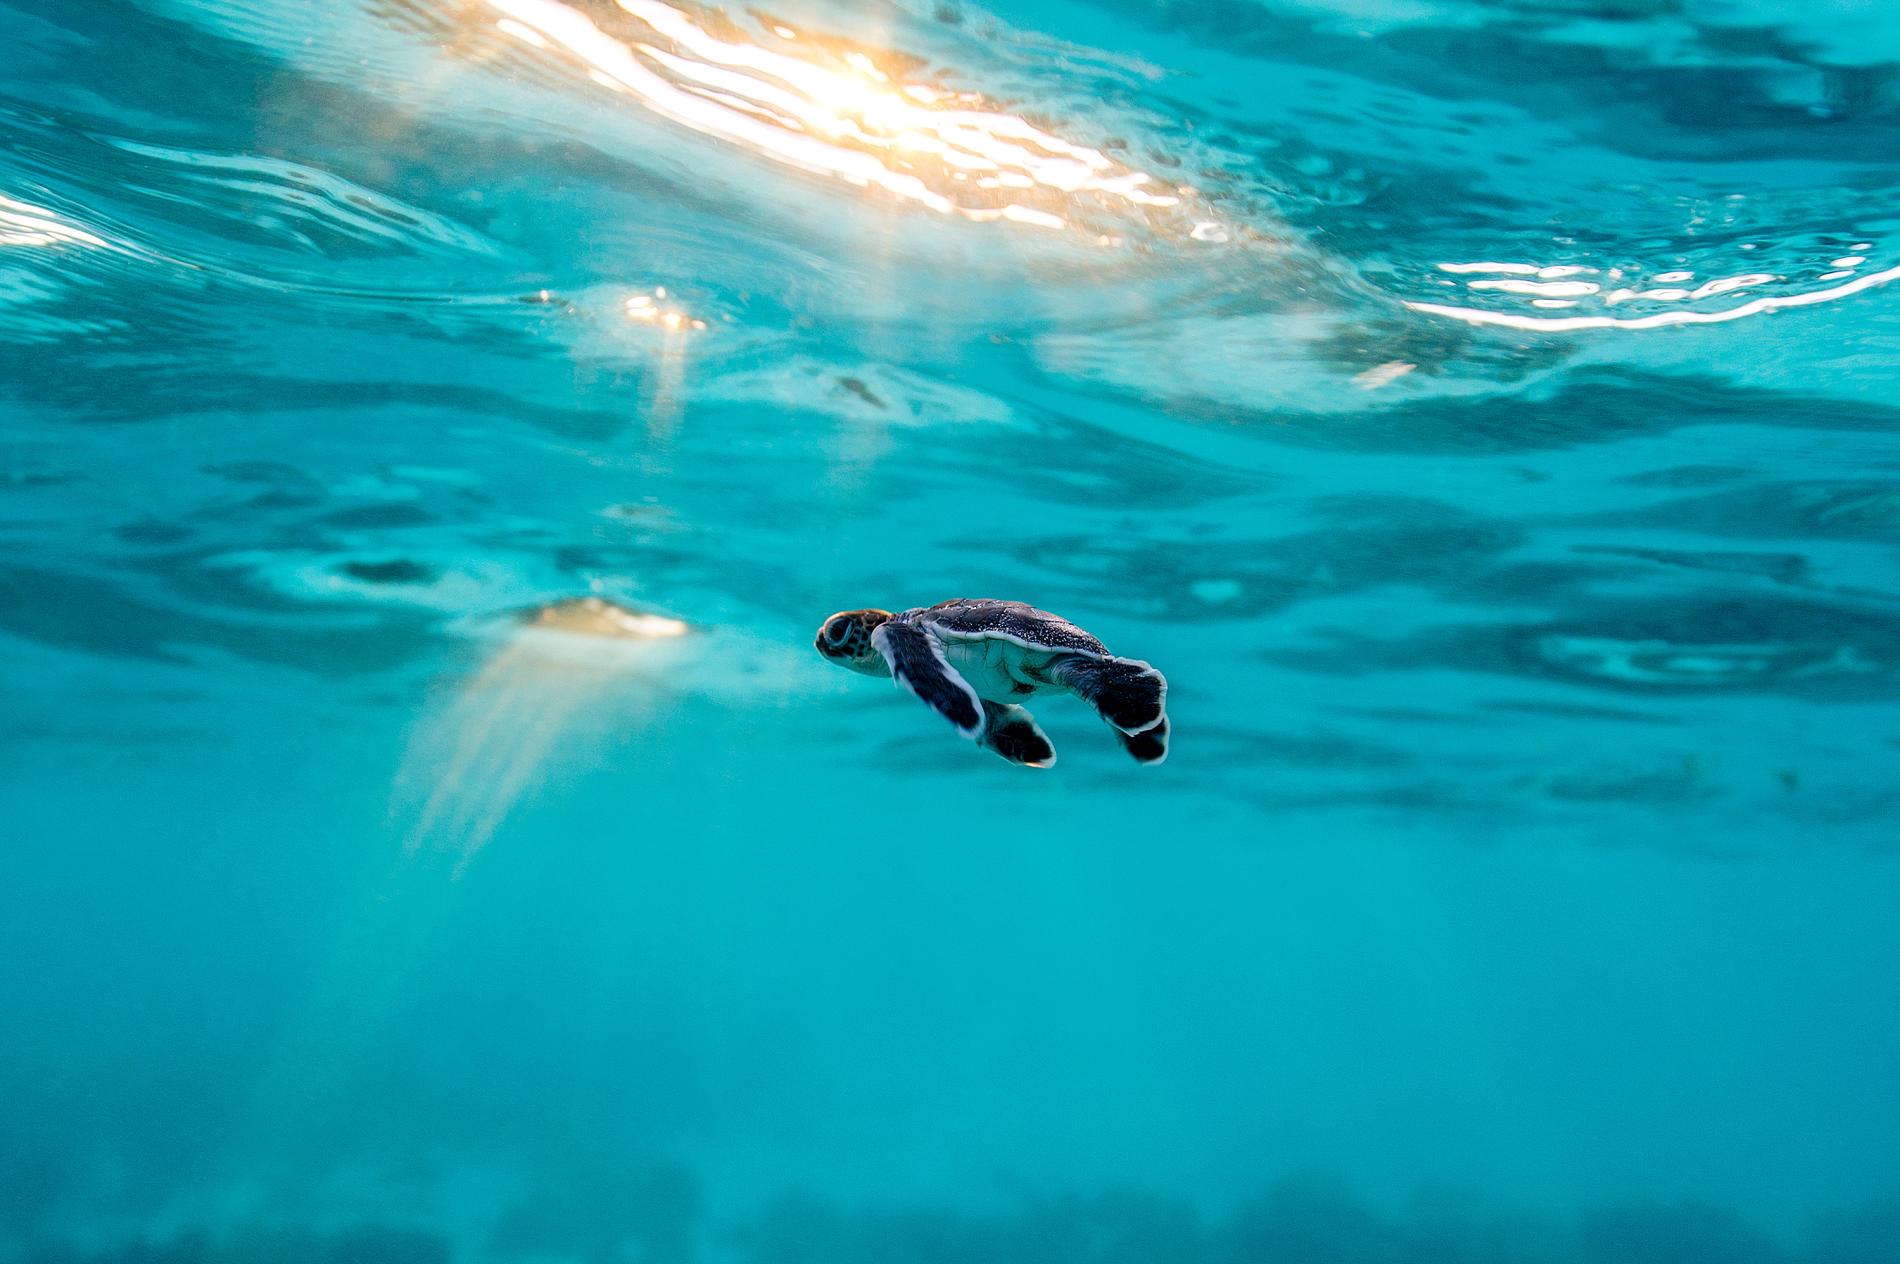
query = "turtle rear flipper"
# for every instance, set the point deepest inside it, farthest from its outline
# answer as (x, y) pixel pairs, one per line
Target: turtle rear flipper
(1014, 734)
(1150, 746)
(1126, 692)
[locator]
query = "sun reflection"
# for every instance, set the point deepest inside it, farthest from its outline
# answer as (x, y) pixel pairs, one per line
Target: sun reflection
(673, 325)
(23, 224)
(646, 309)
(598, 617)
(526, 34)
(564, 677)
(845, 112)
(1664, 288)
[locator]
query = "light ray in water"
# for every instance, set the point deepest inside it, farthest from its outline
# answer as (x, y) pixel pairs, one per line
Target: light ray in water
(841, 114)
(566, 675)
(673, 325)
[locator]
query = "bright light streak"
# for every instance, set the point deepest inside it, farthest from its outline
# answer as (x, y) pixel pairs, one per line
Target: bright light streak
(840, 115)
(564, 675)
(23, 224)
(1655, 320)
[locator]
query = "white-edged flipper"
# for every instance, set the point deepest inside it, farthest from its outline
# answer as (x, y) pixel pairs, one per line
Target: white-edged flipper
(1126, 692)
(918, 666)
(1014, 734)
(1150, 746)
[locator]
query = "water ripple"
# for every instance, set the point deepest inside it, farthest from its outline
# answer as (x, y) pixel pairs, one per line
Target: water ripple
(293, 204)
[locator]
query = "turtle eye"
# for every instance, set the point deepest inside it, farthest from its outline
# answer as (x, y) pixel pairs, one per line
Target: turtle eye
(839, 632)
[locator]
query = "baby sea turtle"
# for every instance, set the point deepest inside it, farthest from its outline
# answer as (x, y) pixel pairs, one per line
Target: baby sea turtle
(972, 659)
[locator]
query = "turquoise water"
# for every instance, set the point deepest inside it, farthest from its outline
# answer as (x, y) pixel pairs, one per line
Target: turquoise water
(1483, 412)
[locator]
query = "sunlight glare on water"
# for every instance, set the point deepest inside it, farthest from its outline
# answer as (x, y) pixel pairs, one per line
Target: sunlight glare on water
(829, 109)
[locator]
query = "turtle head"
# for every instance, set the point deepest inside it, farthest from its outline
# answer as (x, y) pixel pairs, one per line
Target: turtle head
(845, 639)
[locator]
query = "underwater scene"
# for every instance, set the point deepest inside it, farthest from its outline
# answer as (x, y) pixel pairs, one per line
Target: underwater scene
(435, 827)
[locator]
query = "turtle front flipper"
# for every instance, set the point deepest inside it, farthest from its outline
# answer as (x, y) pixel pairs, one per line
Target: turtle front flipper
(1014, 734)
(918, 665)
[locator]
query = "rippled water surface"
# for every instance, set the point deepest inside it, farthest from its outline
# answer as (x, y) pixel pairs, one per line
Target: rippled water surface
(431, 431)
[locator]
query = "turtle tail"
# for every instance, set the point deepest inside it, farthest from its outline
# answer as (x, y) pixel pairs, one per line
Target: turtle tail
(1126, 692)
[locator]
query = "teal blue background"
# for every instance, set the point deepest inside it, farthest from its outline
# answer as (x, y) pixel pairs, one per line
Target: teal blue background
(1522, 883)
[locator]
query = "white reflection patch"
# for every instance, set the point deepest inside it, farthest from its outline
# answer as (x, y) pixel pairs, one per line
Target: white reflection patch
(839, 112)
(23, 224)
(1505, 276)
